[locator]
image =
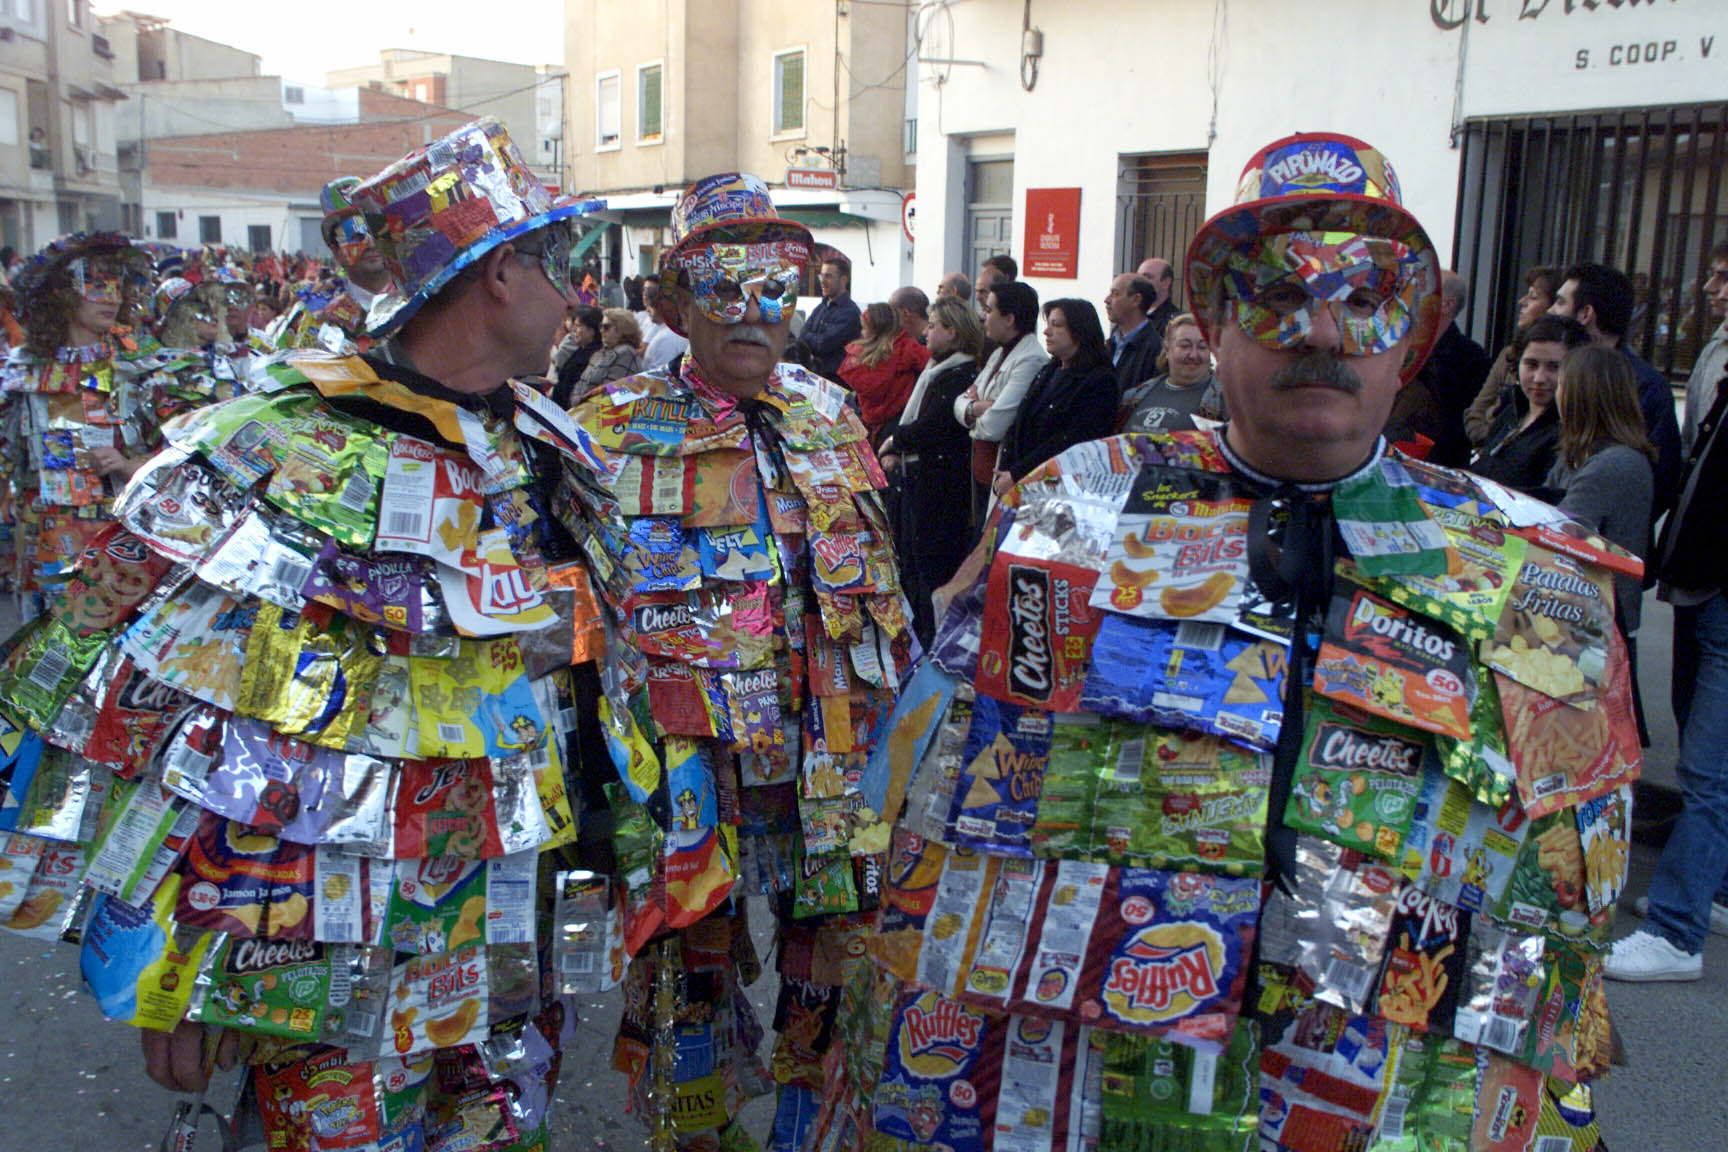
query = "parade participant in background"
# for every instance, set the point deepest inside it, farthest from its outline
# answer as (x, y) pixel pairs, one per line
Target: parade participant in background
(193, 362)
(316, 681)
(1272, 791)
(760, 637)
(336, 320)
(74, 421)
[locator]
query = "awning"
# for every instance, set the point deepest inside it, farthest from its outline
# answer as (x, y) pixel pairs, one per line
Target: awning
(822, 218)
(586, 241)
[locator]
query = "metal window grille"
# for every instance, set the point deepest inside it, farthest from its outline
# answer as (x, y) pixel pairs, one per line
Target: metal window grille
(1640, 189)
(1160, 204)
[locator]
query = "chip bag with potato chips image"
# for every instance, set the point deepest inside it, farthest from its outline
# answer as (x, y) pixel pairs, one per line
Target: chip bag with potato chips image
(1180, 551)
(1553, 633)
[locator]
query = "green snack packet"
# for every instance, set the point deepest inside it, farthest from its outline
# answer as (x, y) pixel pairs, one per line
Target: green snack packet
(1385, 525)
(328, 475)
(245, 439)
(1481, 763)
(294, 989)
(1356, 780)
(43, 670)
(1546, 892)
(1078, 745)
(824, 885)
(1181, 801)
(1482, 561)
(1164, 1097)
(1432, 1101)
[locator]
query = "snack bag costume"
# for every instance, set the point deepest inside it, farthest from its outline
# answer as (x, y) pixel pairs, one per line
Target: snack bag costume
(54, 409)
(287, 753)
(335, 323)
(758, 637)
(1254, 814)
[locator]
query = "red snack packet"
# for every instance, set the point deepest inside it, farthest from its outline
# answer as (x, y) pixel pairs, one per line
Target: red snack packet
(444, 808)
(1038, 630)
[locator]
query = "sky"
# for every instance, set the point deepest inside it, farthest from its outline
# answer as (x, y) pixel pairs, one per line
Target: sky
(304, 39)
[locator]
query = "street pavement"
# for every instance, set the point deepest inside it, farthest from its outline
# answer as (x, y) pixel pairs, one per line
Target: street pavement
(74, 1083)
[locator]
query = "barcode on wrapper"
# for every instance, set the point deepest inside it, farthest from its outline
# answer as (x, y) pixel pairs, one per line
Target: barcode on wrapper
(1350, 979)
(1392, 1119)
(452, 733)
(47, 672)
(1502, 1034)
(356, 492)
(576, 962)
(1128, 761)
(1199, 635)
(1553, 1144)
(361, 1023)
(405, 523)
(290, 571)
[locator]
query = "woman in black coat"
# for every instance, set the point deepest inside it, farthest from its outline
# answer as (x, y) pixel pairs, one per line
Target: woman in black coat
(932, 453)
(574, 352)
(1071, 400)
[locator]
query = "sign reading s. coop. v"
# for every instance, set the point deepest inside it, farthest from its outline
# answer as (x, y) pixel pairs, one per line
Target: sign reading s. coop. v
(1529, 56)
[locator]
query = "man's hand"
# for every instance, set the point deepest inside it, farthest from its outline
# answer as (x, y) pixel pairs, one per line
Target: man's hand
(113, 462)
(1001, 482)
(175, 1060)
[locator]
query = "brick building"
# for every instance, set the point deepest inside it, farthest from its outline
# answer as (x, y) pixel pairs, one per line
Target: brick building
(259, 189)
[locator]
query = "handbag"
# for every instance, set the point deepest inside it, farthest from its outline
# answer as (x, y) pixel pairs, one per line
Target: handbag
(984, 453)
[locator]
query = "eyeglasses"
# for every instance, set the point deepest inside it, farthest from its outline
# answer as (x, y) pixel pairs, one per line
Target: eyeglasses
(723, 279)
(551, 246)
(1370, 285)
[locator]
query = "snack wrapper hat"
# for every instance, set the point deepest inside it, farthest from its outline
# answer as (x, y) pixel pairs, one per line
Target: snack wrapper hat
(1325, 183)
(733, 208)
(52, 269)
(337, 197)
(442, 207)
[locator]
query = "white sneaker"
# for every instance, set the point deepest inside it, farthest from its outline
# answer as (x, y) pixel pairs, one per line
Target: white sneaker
(1718, 914)
(1644, 957)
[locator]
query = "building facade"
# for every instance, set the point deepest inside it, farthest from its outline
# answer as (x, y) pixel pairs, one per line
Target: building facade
(510, 92)
(58, 166)
(259, 189)
(811, 97)
(1524, 132)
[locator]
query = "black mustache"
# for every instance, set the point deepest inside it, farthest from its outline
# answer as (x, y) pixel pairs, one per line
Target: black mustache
(1318, 369)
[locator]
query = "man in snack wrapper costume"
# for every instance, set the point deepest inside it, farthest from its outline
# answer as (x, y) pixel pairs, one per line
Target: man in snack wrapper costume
(337, 323)
(287, 751)
(732, 515)
(1263, 789)
(81, 401)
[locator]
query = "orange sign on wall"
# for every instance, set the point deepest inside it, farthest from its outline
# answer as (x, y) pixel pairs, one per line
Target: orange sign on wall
(1052, 246)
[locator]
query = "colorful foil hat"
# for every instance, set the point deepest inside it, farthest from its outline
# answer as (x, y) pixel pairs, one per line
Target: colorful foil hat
(336, 197)
(59, 268)
(734, 208)
(442, 207)
(1320, 183)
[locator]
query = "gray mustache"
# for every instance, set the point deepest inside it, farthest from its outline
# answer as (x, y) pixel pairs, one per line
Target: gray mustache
(1318, 369)
(748, 334)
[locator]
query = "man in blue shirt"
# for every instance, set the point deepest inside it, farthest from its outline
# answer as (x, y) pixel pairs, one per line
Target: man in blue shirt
(835, 323)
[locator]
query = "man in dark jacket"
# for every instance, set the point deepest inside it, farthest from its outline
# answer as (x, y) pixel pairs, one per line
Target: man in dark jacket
(1160, 308)
(1600, 298)
(1453, 374)
(1135, 341)
(835, 323)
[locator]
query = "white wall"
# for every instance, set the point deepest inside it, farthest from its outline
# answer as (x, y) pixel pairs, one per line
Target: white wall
(1120, 79)
(236, 211)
